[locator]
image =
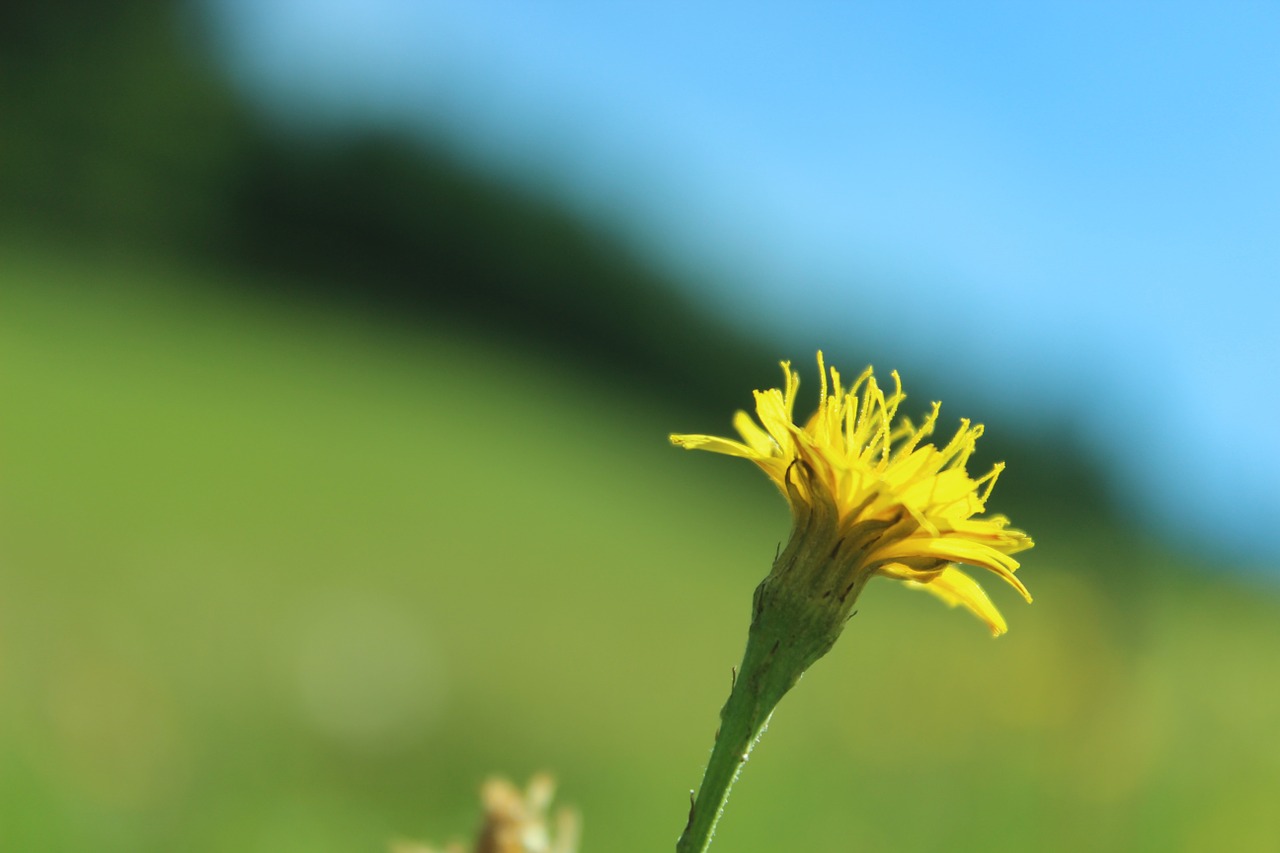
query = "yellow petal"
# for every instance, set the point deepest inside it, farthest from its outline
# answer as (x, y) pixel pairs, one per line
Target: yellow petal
(956, 588)
(759, 440)
(958, 550)
(714, 444)
(903, 572)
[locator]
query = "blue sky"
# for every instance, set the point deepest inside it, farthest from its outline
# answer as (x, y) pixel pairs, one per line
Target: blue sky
(1070, 209)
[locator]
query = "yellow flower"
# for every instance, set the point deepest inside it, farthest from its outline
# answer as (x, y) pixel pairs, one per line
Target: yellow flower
(877, 495)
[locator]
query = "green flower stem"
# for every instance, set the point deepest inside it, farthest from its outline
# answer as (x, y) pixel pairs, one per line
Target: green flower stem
(758, 687)
(787, 635)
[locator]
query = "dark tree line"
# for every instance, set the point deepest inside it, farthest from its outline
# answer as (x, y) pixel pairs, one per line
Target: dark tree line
(115, 128)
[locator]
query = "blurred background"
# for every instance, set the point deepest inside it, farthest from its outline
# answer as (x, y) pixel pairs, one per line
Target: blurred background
(339, 345)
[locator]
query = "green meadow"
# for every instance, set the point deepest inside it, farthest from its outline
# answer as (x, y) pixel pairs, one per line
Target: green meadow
(276, 577)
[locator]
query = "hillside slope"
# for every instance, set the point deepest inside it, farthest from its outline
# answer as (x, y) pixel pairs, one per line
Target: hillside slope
(276, 578)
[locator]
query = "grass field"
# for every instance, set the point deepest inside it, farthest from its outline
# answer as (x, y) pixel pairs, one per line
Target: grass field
(276, 579)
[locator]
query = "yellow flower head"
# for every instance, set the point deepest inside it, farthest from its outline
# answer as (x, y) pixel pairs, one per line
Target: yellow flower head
(892, 504)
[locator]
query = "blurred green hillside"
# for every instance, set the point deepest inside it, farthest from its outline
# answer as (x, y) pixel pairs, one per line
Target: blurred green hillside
(119, 132)
(277, 579)
(334, 477)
